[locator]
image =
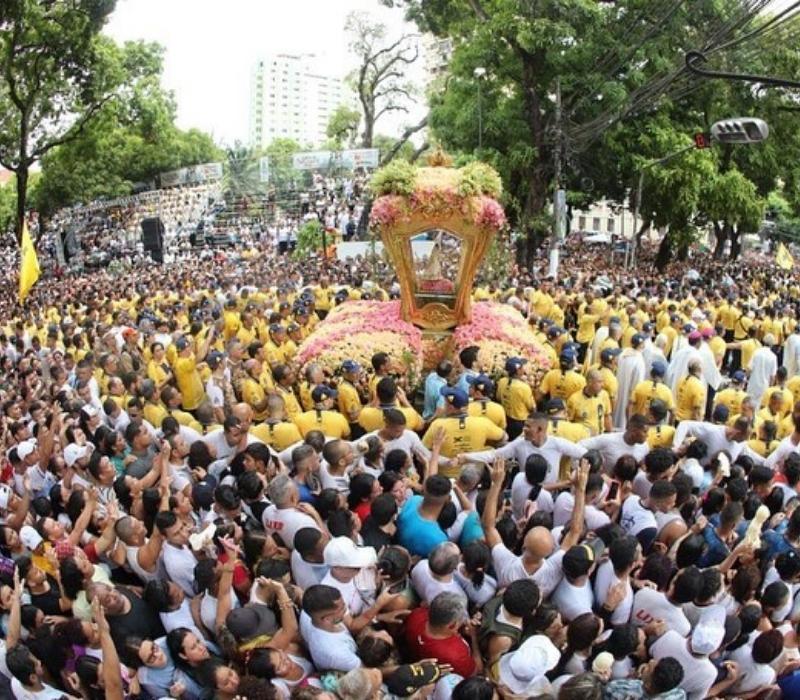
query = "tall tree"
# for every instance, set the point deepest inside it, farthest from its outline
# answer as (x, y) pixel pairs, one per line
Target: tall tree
(56, 73)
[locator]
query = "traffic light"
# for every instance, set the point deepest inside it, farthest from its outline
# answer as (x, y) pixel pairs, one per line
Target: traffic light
(702, 140)
(740, 130)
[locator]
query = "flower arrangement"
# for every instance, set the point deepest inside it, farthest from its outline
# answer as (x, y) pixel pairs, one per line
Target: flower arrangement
(357, 330)
(500, 332)
(479, 178)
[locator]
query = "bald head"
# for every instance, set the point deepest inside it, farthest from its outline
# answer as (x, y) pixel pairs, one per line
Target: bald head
(539, 543)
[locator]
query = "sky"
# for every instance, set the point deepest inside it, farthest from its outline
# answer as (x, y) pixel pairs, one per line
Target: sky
(211, 48)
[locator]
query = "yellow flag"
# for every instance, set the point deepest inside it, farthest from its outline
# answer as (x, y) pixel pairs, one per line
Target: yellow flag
(29, 264)
(783, 258)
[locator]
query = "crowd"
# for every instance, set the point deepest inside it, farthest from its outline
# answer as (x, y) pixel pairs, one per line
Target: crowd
(187, 513)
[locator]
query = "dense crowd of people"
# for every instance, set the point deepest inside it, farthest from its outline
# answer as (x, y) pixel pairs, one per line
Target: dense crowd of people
(185, 512)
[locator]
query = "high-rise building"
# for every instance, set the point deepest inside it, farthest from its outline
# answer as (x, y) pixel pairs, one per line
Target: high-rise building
(292, 98)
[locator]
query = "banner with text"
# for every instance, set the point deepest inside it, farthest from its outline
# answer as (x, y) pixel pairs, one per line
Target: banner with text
(194, 175)
(351, 159)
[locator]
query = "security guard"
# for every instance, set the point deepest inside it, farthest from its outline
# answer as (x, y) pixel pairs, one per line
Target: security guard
(331, 423)
(481, 389)
(516, 396)
(349, 396)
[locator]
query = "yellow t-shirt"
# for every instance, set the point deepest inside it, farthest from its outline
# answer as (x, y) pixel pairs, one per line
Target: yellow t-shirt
(574, 432)
(645, 392)
(154, 413)
(277, 435)
(660, 436)
(158, 371)
(462, 434)
(371, 418)
(558, 384)
(349, 401)
(748, 348)
(732, 398)
(793, 385)
(589, 411)
(189, 383)
(331, 423)
(787, 399)
(691, 399)
(254, 395)
(516, 397)
(488, 409)
(290, 401)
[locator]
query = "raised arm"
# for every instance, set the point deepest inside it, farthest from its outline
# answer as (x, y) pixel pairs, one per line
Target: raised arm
(577, 523)
(489, 520)
(112, 679)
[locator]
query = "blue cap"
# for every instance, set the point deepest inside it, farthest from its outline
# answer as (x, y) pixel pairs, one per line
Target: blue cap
(648, 327)
(738, 377)
(481, 382)
(454, 396)
(555, 331)
(322, 393)
(554, 405)
(720, 414)
(608, 353)
(567, 356)
(350, 366)
(637, 340)
(213, 359)
(514, 363)
(276, 328)
(659, 368)
(181, 343)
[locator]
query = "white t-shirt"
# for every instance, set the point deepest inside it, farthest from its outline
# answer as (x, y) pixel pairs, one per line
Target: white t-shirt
(635, 518)
(650, 605)
(330, 481)
(182, 617)
(699, 674)
(428, 587)
(565, 504)
(520, 489)
(612, 446)
(478, 595)
(208, 610)
(179, 563)
(306, 573)
(350, 594)
(215, 393)
(46, 693)
(606, 578)
(509, 568)
(330, 651)
(285, 522)
(751, 675)
(573, 601)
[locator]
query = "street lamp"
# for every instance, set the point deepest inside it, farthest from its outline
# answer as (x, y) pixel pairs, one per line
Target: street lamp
(479, 72)
(738, 130)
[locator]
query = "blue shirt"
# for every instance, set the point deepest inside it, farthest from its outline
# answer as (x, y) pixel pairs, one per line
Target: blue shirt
(463, 384)
(717, 550)
(433, 396)
(417, 535)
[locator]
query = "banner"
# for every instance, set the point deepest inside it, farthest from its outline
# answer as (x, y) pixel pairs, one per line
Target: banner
(196, 174)
(351, 159)
(783, 258)
(29, 264)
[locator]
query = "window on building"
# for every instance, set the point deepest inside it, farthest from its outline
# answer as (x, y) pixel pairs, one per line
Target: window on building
(610, 225)
(596, 223)
(581, 223)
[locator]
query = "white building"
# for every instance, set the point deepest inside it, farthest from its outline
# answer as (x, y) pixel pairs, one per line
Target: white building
(291, 97)
(603, 217)
(437, 54)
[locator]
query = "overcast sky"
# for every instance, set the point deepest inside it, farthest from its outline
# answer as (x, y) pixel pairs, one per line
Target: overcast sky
(211, 47)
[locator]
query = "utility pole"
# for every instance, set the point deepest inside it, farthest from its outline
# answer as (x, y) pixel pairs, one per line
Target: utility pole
(479, 72)
(560, 195)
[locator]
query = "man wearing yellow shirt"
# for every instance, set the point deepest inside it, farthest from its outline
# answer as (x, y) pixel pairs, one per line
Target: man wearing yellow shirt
(276, 431)
(607, 369)
(275, 348)
(563, 382)
(248, 332)
(591, 406)
(786, 396)
(323, 297)
(253, 393)
(690, 400)
(659, 434)
(187, 375)
(481, 389)
(331, 423)
(516, 396)
(644, 393)
(388, 395)
(463, 433)
(733, 395)
(349, 398)
(171, 398)
(284, 379)
(153, 410)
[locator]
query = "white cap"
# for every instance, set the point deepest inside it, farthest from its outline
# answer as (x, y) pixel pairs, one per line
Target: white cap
(342, 551)
(522, 669)
(29, 537)
(26, 448)
(90, 410)
(5, 496)
(74, 452)
(710, 631)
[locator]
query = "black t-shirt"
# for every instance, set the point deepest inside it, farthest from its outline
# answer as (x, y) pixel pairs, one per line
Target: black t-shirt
(373, 536)
(140, 621)
(48, 602)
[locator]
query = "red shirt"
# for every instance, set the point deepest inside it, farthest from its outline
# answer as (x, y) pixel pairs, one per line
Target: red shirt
(453, 650)
(363, 510)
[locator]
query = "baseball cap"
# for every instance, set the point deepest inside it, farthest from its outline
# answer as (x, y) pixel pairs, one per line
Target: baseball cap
(481, 382)
(688, 327)
(738, 376)
(707, 333)
(251, 621)
(709, 632)
(659, 368)
(454, 396)
(214, 358)
(567, 356)
(5, 496)
(30, 538)
(579, 559)
(90, 410)
(26, 448)
(275, 328)
(322, 392)
(720, 414)
(520, 670)
(514, 363)
(181, 343)
(350, 366)
(695, 335)
(608, 353)
(73, 452)
(342, 551)
(554, 331)
(203, 495)
(130, 333)
(648, 327)
(406, 680)
(554, 406)
(637, 339)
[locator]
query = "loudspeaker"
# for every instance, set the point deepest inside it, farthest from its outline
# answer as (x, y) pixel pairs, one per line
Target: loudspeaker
(153, 238)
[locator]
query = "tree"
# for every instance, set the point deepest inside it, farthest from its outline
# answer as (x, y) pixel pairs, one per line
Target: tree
(342, 126)
(242, 177)
(57, 72)
(380, 81)
(282, 175)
